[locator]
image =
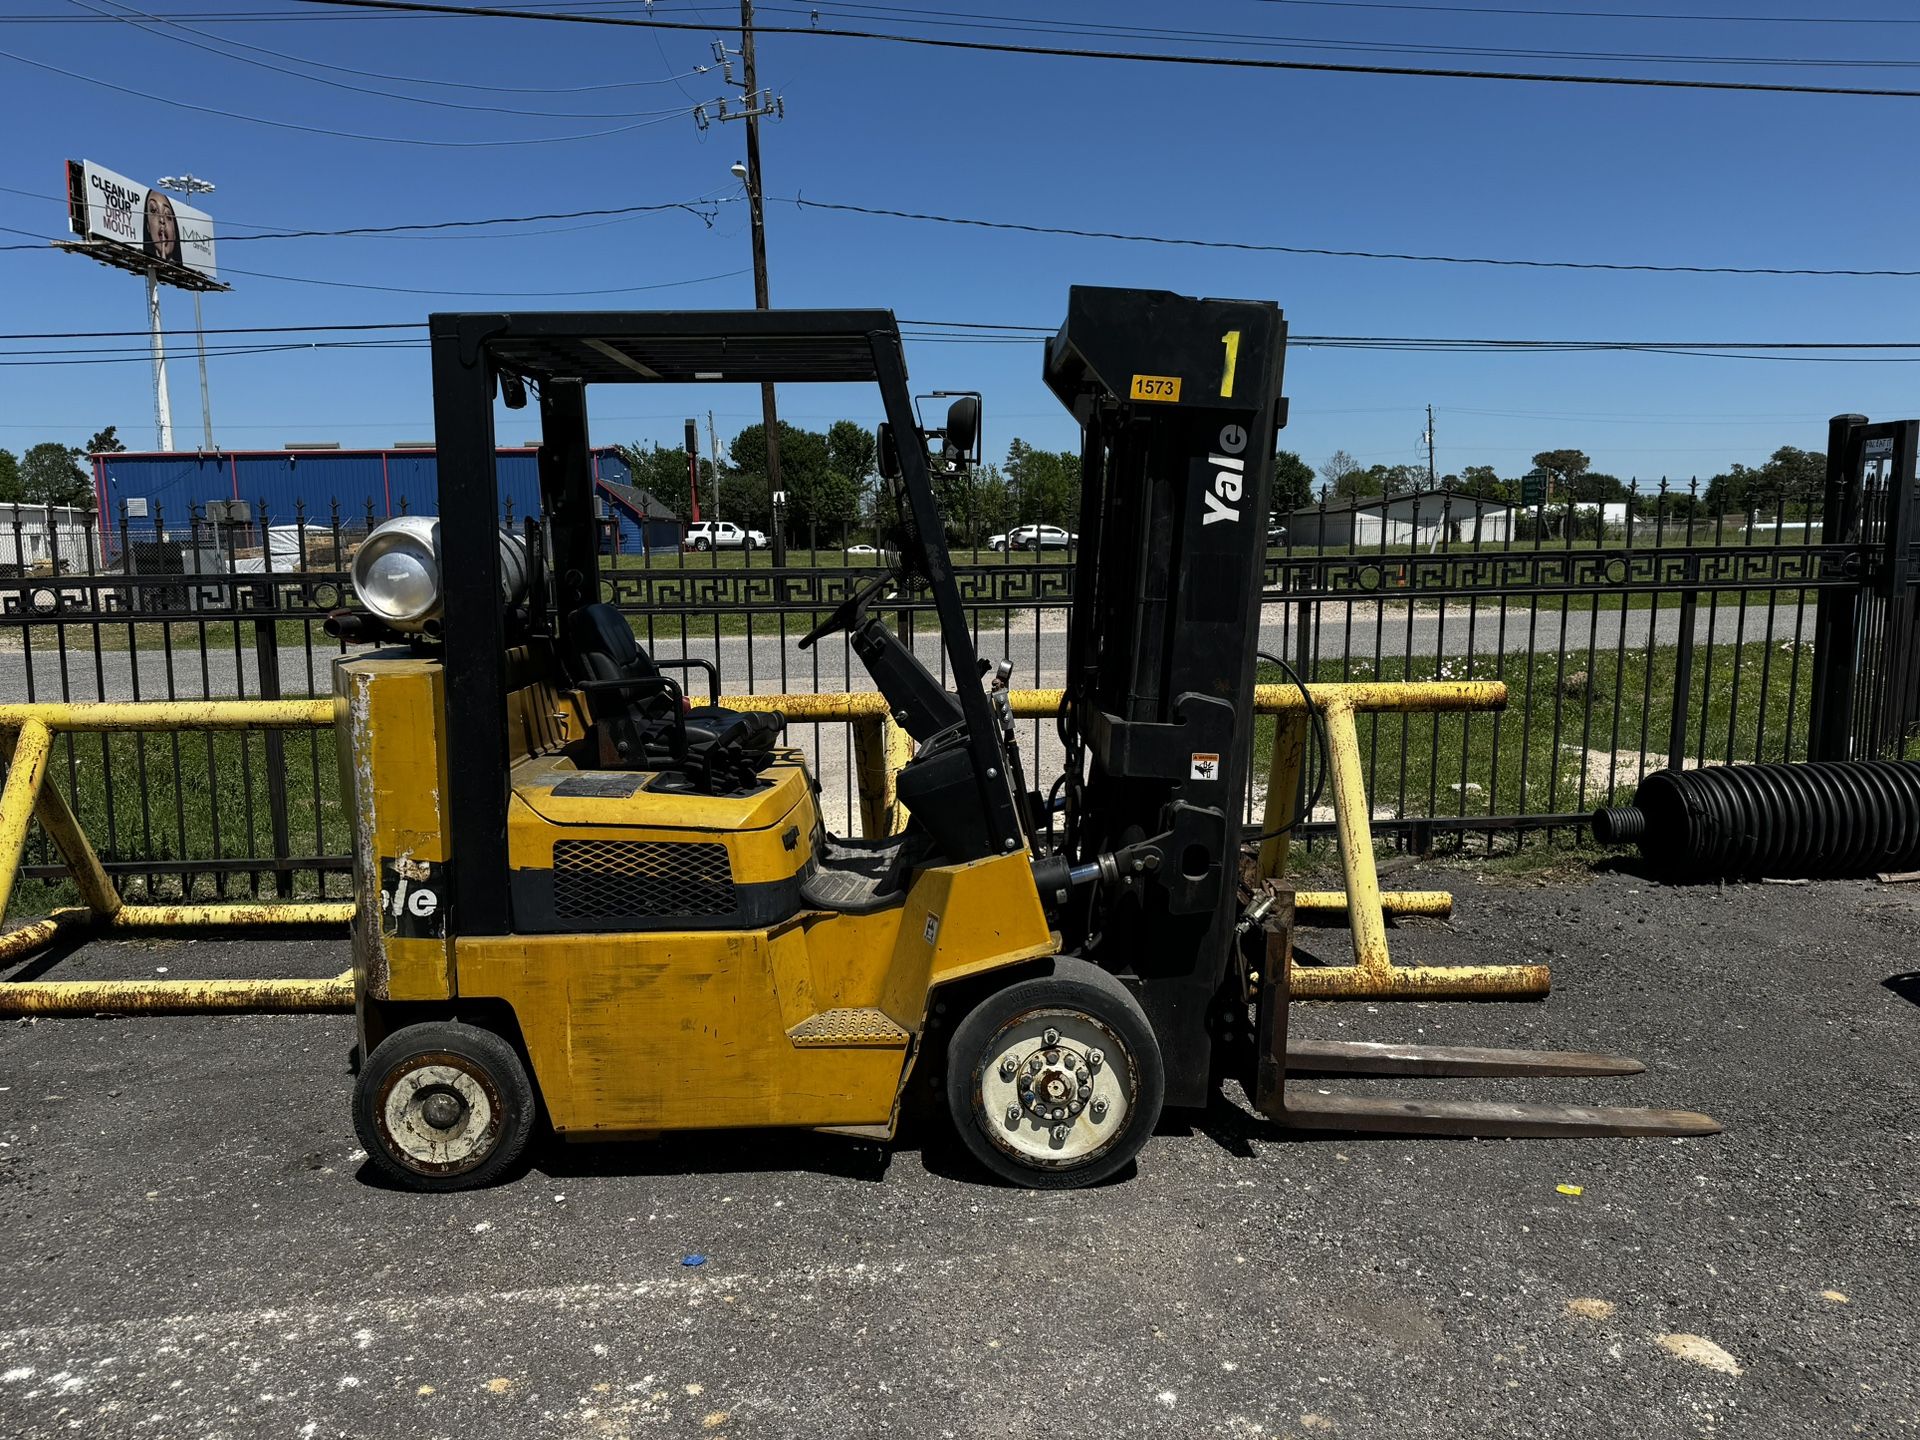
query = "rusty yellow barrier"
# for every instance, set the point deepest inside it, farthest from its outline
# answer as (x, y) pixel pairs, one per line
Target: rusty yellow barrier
(880, 750)
(27, 731)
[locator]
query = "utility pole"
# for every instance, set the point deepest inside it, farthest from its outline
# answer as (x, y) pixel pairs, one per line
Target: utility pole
(713, 452)
(758, 104)
(1432, 484)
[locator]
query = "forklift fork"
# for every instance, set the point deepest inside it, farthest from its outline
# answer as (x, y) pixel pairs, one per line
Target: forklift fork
(1323, 1110)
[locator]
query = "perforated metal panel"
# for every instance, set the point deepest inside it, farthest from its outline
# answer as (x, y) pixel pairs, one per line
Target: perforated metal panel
(593, 879)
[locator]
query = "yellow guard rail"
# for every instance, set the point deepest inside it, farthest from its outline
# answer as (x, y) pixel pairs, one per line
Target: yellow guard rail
(880, 749)
(27, 732)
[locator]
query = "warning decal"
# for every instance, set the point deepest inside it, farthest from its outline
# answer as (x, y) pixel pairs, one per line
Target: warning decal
(1205, 766)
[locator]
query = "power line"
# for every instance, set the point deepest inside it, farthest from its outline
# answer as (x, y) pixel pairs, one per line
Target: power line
(485, 294)
(1242, 62)
(1271, 249)
(220, 330)
(1071, 232)
(1038, 25)
(134, 18)
(1592, 14)
(985, 332)
(273, 232)
(337, 134)
(491, 88)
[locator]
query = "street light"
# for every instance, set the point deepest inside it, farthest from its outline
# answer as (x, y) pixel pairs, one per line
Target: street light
(193, 185)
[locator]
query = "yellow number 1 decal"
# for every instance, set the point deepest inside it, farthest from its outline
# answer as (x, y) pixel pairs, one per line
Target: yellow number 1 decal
(1232, 341)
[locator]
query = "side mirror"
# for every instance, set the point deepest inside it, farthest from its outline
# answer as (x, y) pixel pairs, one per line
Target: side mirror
(888, 456)
(963, 428)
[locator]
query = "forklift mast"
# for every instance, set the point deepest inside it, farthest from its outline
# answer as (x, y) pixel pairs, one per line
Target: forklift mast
(1179, 405)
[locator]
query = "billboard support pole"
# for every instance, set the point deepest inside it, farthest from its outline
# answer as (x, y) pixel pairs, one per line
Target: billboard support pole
(206, 401)
(162, 406)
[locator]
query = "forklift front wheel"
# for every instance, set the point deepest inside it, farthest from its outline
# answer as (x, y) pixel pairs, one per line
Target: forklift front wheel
(442, 1106)
(1056, 1082)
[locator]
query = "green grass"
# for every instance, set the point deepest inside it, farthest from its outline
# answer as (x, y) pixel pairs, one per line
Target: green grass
(1566, 744)
(191, 796)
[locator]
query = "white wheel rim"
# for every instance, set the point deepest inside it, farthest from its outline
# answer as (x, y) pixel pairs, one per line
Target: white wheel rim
(1069, 1110)
(415, 1094)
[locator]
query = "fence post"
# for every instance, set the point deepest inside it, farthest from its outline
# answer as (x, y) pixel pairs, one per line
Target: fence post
(1836, 612)
(1677, 726)
(266, 650)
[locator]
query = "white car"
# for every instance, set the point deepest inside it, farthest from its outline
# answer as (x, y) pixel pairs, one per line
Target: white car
(722, 535)
(996, 542)
(861, 550)
(1039, 537)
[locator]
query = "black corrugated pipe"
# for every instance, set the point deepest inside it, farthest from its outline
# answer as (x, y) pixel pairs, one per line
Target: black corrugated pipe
(1850, 817)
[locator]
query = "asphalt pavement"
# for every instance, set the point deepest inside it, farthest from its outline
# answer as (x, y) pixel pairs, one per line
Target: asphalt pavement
(766, 664)
(195, 1248)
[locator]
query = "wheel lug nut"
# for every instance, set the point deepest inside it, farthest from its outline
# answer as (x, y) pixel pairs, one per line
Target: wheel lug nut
(1013, 1114)
(1059, 1134)
(1033, 1066)
(1095, 1059)
(1085, 1091)
(1051, 1037)
(1053, 1057)
(1074, 1108)
(1008, 1067)
(1098, 1110)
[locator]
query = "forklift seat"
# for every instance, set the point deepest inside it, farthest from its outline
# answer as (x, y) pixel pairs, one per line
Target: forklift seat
(724, 748)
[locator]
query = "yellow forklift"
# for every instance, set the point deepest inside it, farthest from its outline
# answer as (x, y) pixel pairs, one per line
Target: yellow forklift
(587, 904)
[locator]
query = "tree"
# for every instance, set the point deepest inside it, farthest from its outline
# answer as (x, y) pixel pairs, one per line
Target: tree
(1792, 478)
(1563, 468)
(1483, 483)
(662, 472)
(993, 507)
(1334, 471)
(1592, 487)
(1045, 484)
(817, 494)
(9, 476)
(50, 474)
(1292, 482)
(104, 442)
(851, 451)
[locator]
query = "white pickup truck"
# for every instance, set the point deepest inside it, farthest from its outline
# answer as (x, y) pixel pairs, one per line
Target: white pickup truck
(722, 535)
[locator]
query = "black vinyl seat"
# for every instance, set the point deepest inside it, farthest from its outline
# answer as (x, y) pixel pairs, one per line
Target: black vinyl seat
(641, 715)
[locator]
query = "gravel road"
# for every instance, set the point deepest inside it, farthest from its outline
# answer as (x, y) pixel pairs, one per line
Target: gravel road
(194, 1248)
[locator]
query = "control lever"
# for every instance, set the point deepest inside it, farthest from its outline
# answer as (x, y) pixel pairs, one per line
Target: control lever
(1002, 699)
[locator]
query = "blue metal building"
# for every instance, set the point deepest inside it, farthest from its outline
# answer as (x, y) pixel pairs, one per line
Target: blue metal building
(283, 486)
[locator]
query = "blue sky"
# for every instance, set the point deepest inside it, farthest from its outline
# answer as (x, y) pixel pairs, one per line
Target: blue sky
(1378, 163)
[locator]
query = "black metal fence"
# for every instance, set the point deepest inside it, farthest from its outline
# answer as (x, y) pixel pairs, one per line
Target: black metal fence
(1661, 635)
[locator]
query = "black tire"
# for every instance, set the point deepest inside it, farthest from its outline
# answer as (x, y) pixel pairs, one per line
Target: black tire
(702, 544)
(1088, 1009)
(753, 544)
(465, 1063)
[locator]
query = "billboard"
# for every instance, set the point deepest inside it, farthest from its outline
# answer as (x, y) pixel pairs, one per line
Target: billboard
(143, 225)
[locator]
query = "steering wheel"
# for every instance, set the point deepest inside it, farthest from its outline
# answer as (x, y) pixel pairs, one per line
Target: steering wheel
(848, 613)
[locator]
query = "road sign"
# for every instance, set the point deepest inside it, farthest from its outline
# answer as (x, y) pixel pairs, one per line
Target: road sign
(1533, 488)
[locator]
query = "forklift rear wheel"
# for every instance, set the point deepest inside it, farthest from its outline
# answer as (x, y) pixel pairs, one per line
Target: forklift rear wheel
(1056, 1082)
(443, 1106)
